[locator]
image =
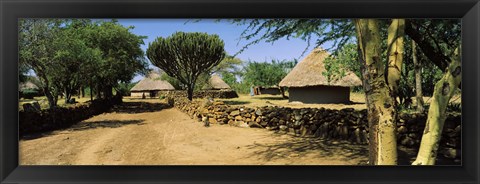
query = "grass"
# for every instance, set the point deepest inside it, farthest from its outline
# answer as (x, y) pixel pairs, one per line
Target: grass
(44, 102)
(358, 100)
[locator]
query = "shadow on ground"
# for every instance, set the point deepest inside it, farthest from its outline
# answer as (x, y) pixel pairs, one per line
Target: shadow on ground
(270, 98)
(86, 126)
(139, 107)
(325, 148)
(233, 102)
(331, 148)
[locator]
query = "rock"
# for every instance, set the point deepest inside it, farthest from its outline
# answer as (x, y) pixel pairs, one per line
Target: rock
(242, 124)
(247, 115)
(283, 128)
(272, 128)
(451, 153)
(212, 120)
(258, 112)
(231, 122)
(402, 129)
(31, 107)
(235, 113)
(238, 118)
(253, 124)
(407, 141)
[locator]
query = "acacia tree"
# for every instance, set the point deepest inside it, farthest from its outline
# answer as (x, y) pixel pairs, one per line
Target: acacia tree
(186, 56)
(36, 50)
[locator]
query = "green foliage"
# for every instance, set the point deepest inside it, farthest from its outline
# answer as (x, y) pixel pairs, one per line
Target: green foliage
(185, 56)
(266, 74)
(173, 81)
(69, 54)
(346, 59)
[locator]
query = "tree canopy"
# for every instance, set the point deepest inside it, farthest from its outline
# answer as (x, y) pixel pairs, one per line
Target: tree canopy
(186, 56)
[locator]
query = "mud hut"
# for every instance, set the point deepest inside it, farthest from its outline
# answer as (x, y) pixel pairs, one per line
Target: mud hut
(270, 90)
(216, 83)
(151, 86)
(307, 84)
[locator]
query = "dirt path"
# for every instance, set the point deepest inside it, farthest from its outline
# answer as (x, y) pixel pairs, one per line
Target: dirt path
(132, 135)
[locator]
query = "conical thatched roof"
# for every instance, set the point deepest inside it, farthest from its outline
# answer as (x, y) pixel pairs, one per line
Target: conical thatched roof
(27, 85)
(216, 82)
(309, 71)
(152, 83)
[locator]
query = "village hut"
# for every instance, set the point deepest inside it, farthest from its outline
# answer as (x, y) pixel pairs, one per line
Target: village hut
(151, 86)
(28, 90)
(269, 90)
(307, 84)
(216, 83)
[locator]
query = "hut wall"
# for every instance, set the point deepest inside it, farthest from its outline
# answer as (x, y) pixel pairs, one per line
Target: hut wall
(270, 91)
(319, 94)
(139, 94)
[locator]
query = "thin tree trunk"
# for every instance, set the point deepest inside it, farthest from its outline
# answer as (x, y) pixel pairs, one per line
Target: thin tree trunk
(381, 112)
(190, 92)
(418, 79)
(443, 92)
(51, 100)
(396, 33)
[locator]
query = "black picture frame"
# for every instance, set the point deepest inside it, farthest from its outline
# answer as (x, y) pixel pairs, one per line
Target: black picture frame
(11, 10)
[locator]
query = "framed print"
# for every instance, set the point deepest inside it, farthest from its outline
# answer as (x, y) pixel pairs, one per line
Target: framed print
(239, 91)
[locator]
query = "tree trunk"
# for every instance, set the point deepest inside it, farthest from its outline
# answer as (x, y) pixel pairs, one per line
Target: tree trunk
(396, 33)
(443, 92)
(381, 112)
(418, 79)
(190, 92)
(51, 100)
(67, 96)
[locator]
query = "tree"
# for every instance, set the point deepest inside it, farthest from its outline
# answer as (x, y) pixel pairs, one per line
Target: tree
(346, 59)
(266, 74)
(444, 90)
(122, 57)
(186, 56)
(435, 38)
(36, 51)
(418, 79)
(72, 61)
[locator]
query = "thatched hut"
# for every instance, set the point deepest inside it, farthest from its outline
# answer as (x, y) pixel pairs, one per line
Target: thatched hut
(150, 86)
(271, 90)
(216, 83)
(28, 90)
(307, 83)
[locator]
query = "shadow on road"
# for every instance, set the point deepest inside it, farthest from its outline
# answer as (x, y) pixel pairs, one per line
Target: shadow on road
(139, 107)
(105, 124)
(326, 148)
(86, 126)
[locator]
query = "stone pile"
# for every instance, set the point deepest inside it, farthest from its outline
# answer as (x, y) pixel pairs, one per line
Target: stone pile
(345, 124)
(201, 94)
(62, 117)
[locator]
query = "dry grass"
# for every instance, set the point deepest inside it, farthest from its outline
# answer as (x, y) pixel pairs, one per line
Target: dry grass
(358, 101)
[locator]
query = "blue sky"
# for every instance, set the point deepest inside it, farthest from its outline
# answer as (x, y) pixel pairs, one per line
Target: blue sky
(230, 33)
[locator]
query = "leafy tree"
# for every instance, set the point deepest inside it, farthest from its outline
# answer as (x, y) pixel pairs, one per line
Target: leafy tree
(346, 59)
(36, 51)
(72, 60)
(266, 74)
(186, 56)
(122, 57)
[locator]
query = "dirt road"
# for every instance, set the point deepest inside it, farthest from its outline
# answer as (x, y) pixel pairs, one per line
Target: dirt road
(141, 133)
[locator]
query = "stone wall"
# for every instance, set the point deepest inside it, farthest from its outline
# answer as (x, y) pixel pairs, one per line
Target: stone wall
(62, 117)
(346, 124)
(201, 94)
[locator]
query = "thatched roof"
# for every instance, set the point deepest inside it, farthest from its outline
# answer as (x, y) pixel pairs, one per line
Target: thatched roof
(309, 71)
(27, 85)
(216, 82)
(152, 83)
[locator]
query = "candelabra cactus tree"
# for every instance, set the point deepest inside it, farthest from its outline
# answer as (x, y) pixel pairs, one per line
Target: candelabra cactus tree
(186, 55)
